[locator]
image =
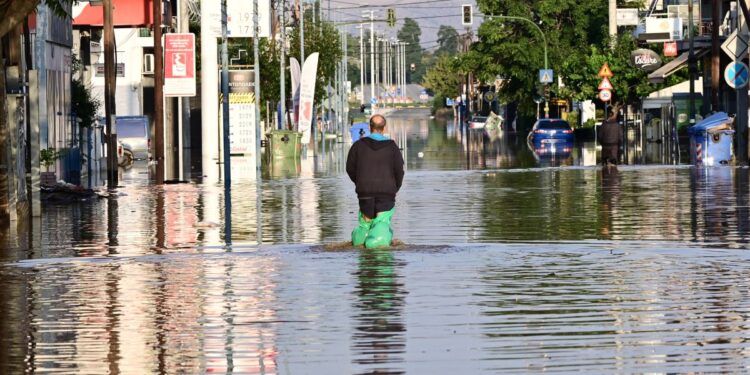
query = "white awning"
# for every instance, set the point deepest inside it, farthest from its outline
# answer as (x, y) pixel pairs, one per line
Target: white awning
(673, 66)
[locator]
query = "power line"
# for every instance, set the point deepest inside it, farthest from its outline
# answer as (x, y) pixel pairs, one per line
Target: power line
(395, 5)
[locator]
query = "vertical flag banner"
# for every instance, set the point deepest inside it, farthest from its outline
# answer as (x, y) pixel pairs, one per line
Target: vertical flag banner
(307, 96)
(295, 73)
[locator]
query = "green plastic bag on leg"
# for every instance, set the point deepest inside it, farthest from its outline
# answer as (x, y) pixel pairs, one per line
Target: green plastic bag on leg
(380, 234)
(359, 234)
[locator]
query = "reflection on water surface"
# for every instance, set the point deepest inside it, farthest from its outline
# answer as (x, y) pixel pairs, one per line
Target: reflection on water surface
(514, 265)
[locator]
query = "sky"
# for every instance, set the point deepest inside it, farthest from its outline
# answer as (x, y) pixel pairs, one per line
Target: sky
(429, 14)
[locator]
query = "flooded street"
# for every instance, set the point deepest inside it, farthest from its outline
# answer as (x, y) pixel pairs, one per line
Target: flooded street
(515, 261)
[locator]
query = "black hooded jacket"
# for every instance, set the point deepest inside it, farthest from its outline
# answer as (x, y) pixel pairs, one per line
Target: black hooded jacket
(375, 167)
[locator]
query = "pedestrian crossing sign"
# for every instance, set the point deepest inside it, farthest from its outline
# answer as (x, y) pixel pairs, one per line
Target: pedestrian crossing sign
(545, 75)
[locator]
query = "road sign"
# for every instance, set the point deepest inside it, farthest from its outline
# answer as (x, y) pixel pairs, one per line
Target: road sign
(546, 75)
(373, 101)
(735, 46)
(605, 95)
(605, 84)
(627, 17)
(179, 65)
(605, 71)
(670, 49)
(736, 75)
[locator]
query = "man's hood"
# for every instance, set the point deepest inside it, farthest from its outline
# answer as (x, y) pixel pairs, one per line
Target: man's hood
(373, 144)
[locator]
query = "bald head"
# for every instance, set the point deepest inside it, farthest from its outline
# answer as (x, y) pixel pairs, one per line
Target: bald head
(377, 124)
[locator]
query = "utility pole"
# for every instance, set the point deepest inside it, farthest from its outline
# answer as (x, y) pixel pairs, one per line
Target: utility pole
(691, 64)
(210, 143)
(384, 64)
(256, 84)
(344, 78)
(158, 95)
(397, 58)
(184, 105)
(376, 68)
(302, 34)
(110, 78)
(612, 22)
(372, 55)
(282, 63)
(225, 103)
(362, 62)
(403, 68)
(715, 55)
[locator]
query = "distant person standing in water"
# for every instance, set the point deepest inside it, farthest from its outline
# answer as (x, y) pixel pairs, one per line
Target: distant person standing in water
(610, 137)
(376, 167)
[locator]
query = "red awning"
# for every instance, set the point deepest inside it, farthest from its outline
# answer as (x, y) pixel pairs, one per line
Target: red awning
(126, 13)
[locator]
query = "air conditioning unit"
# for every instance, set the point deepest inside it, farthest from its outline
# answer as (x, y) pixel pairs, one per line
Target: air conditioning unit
(148, 63)
(662, 30)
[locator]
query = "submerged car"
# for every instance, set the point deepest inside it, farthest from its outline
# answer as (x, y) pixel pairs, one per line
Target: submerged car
(551, 131)
(478, 122)
(134, 131)
(125, 157)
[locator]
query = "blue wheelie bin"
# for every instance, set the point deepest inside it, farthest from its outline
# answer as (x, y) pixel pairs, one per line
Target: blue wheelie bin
(711, 140)
(359, 130)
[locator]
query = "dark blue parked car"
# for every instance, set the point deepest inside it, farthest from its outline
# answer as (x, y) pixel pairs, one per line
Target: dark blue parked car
(547, 131)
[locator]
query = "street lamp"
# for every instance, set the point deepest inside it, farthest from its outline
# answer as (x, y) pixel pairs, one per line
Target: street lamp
(544, 38)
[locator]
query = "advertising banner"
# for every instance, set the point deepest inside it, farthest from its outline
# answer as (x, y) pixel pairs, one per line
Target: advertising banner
(295, 73)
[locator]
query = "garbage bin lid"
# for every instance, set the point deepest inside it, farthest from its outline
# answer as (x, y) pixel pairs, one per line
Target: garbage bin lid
(713, 121)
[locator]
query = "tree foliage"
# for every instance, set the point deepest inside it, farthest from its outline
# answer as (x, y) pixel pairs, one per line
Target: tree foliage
(411, 33)
(448, 41)
(319, 37)
(13, 12)
(442, 78)
(577, 42)
(322, 37)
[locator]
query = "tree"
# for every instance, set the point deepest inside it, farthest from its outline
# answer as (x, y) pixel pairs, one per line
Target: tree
(448, 39)
(353, 59)
(442, 79)
(410, 34)
(323, 38)
(630, 83)
(320, 37)
(13, 12)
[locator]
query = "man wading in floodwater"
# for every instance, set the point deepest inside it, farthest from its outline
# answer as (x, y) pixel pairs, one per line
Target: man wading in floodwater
(610, 137)
(376, 167)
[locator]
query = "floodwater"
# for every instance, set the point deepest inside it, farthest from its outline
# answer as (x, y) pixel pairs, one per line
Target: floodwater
(513, 263)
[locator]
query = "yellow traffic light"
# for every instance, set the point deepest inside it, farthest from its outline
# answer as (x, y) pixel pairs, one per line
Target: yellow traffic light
(466, 18)
(391, 17)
